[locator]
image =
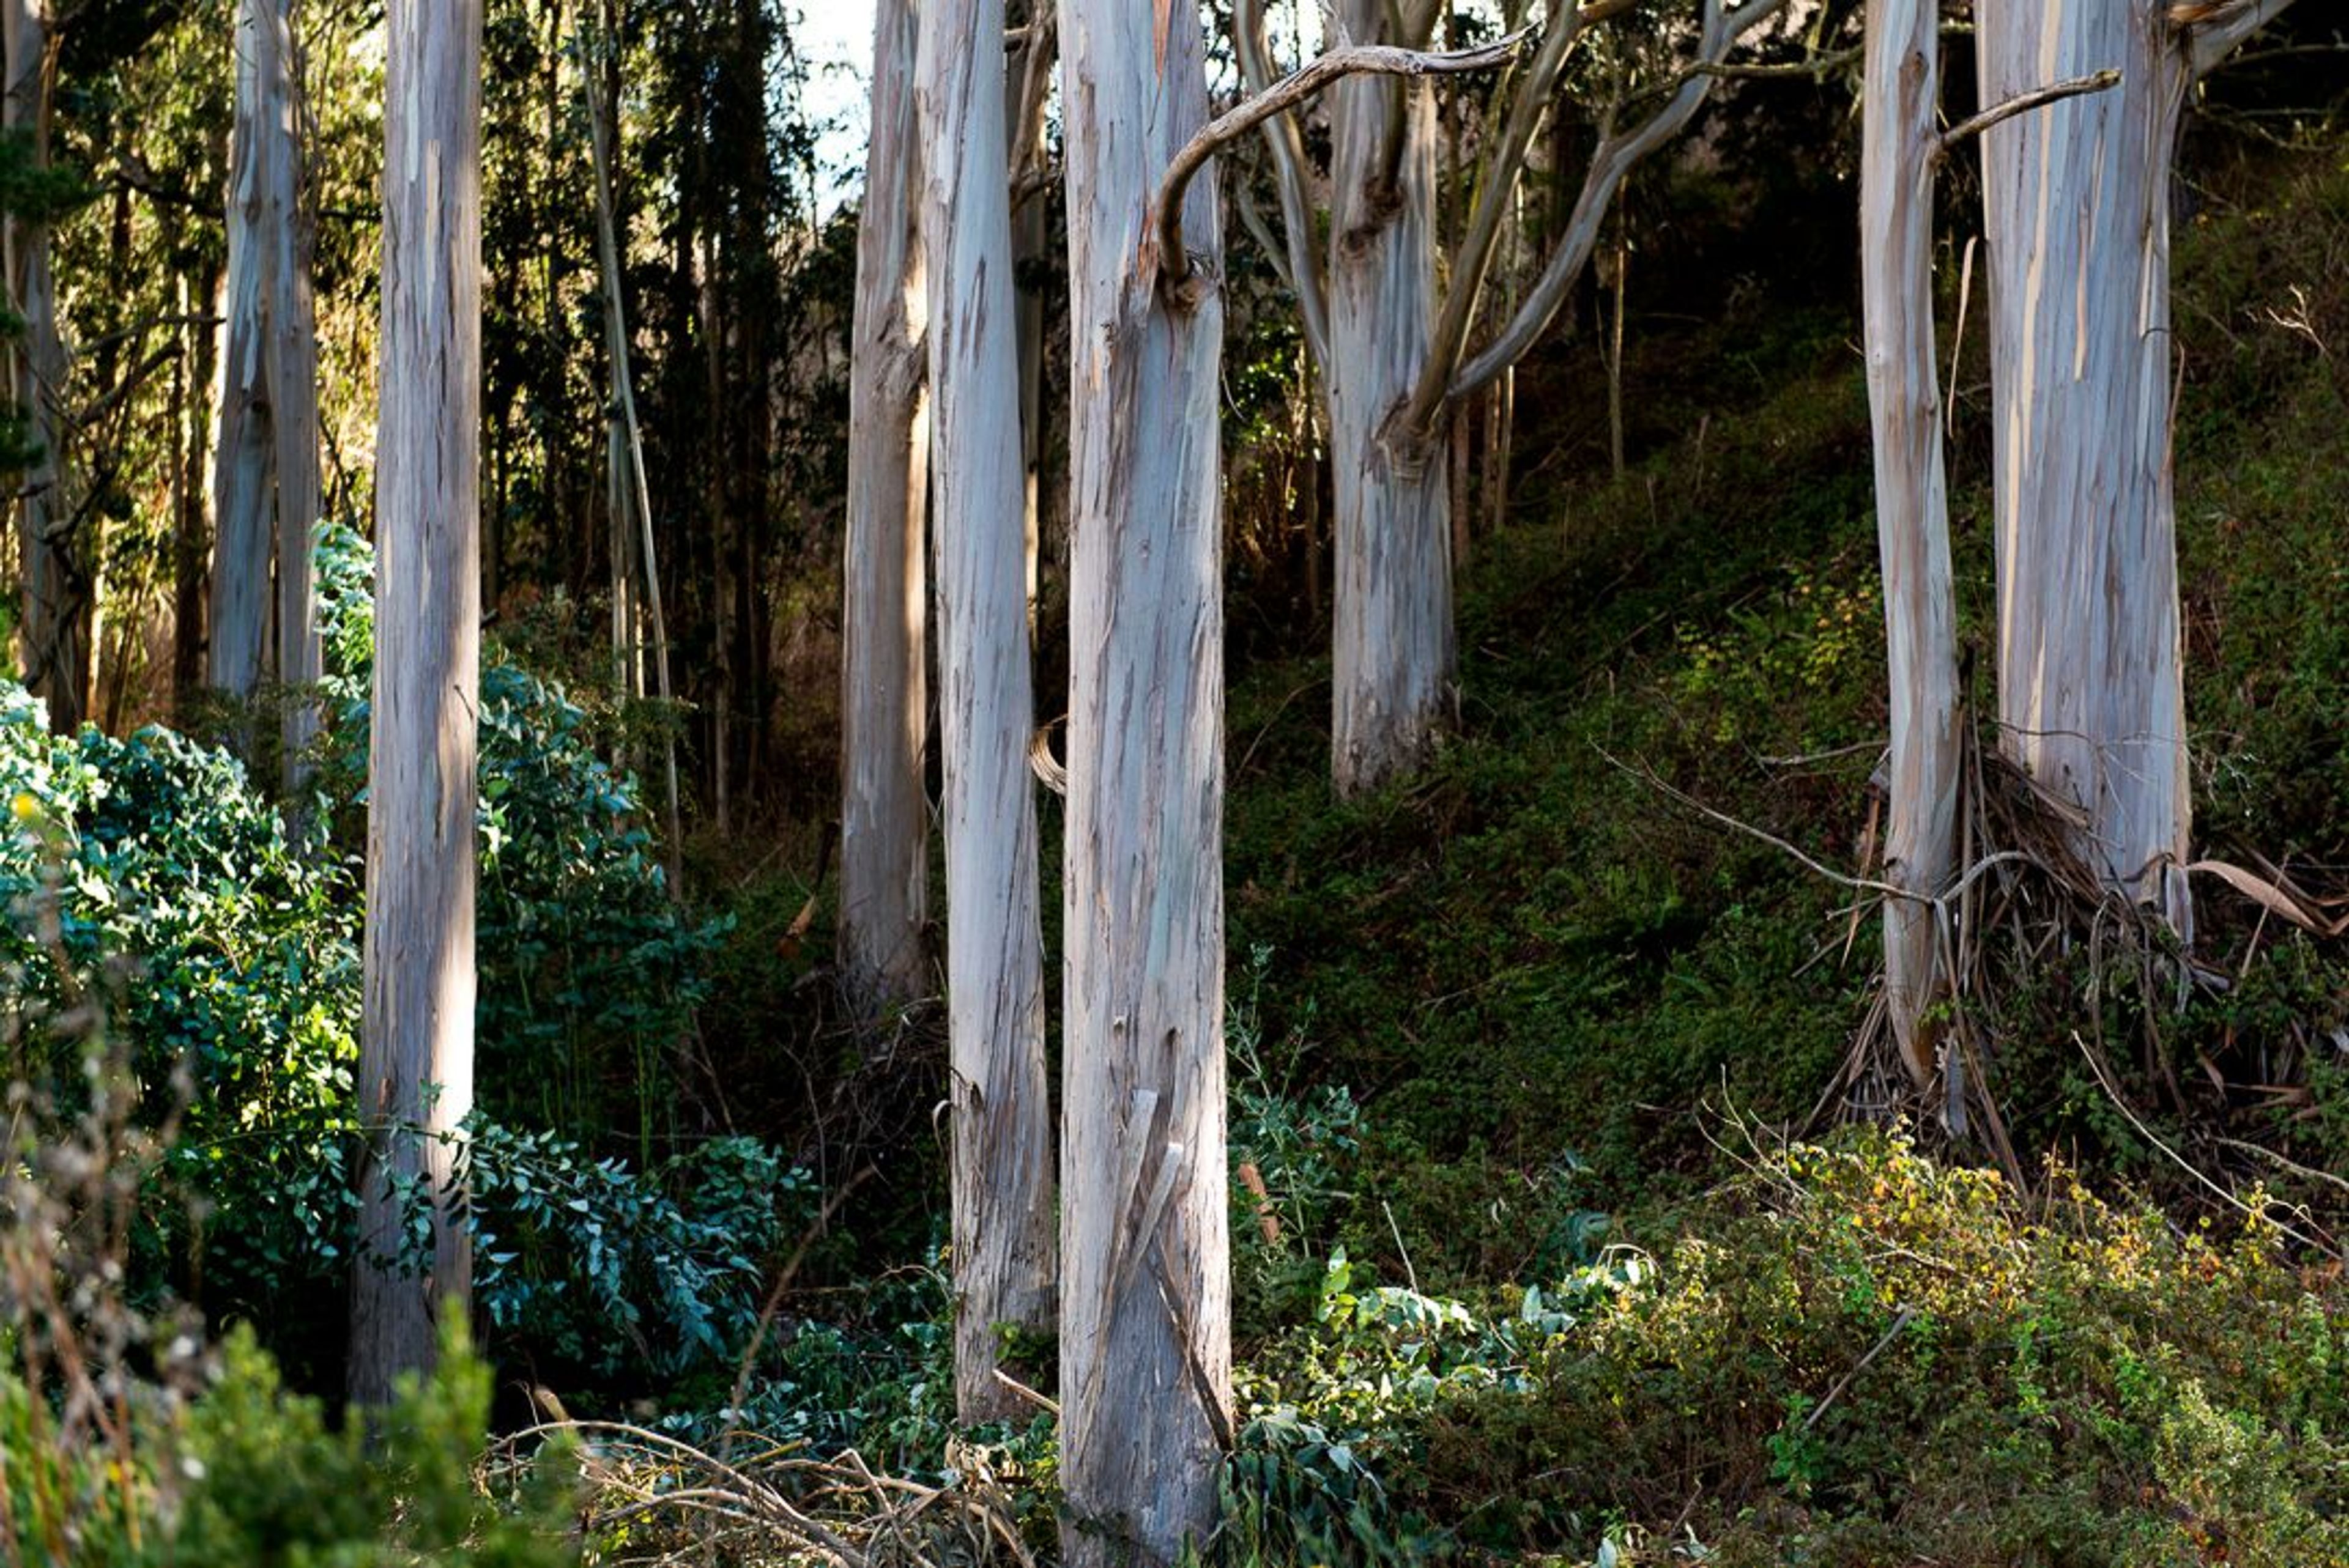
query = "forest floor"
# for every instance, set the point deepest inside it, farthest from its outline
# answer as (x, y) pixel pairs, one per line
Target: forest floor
(1566, 1251)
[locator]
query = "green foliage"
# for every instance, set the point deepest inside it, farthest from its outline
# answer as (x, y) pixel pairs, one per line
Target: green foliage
(270, 1485)
(589, 971)
(609, 1272)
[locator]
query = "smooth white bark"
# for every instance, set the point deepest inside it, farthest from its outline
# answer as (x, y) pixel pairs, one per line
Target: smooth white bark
(416, 1056)
(2076, 213)
(885, 703)
(1002, 1198)
(1145, 1331)
(1393, 661)
(1897, 154)
(292, 350)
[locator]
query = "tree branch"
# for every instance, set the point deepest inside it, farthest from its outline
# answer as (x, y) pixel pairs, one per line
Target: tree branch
(2214, 31)
(2022, 103)
(1304, 269)
(1617, 156)
(1297, 87)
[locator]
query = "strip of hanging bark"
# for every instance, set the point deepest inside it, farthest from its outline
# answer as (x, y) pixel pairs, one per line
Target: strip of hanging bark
(1299, 87)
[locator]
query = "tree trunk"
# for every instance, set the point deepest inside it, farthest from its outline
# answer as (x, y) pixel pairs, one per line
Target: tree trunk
(885, 704)
(55, 634)
(192, 538)
(1145, 1309)
(243, 527)
(416, 1056)
(293, 353)
(1913, 521)
(1392, 641)
(1003, 1217)
(2076, 210)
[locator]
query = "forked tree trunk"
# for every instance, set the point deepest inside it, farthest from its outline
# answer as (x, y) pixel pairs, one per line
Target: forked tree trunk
(2076, 210)
(883, 699)
(416, 1054)
(1912, 524)
(55, 632)
(1146, 1307)
(1392, 654)
(1003, 1219)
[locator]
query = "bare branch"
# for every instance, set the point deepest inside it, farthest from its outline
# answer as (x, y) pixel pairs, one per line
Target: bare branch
(1297, 87)
(1304, 269)
(2022, 103)
(1617, 156)
(2213, 31)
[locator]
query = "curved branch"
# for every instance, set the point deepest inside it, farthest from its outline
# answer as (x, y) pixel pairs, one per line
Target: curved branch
(1474, 261)
(1306, 274)
(1298, 87)
(2021, 103)
(1617, 156)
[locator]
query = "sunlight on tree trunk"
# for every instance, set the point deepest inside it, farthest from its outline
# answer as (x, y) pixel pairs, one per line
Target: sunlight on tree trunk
(416, 1055)
(884, 702)
(2076, 211)
(1898, 153)
(1146, 1307)
(1003, 1219)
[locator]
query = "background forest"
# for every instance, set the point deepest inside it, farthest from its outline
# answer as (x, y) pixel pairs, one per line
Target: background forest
(1630, 1143)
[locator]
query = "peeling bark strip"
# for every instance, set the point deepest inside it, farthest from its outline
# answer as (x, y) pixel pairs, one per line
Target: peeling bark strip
(885, 697)
(2076, 209)
(416, 1054)
(1003, 1220)
(1898, 150)
(1145, 1330)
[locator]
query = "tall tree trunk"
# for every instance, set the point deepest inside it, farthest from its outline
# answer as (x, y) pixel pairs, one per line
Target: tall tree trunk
(1393, 656)
(193, 536)
(1145, 1309)
(416, 1055)
(293, 355)
(885, 703)
(1003, 1219)
(243, 507)
(55, 632)
(1912, 523)
(2076, 210)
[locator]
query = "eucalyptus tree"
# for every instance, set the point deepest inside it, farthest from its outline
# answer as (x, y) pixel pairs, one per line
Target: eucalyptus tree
(1145, 1272)
(416, 1054)
(266, 475)
(1899, 147)
(1003, 1219)
(54, 631)
(884, 697)
(1394, 349)
(2091, 686)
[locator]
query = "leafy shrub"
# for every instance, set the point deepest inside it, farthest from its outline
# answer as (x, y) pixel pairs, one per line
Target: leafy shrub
(608, 1271)
(589, 971)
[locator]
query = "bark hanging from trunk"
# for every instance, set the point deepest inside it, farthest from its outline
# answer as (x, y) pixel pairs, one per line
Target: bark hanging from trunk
(883, 699)
(2076, 210)
(1003, 1219)
(416, 1055)
(1912, 522)
(1393, 648)
(1145, 1309)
